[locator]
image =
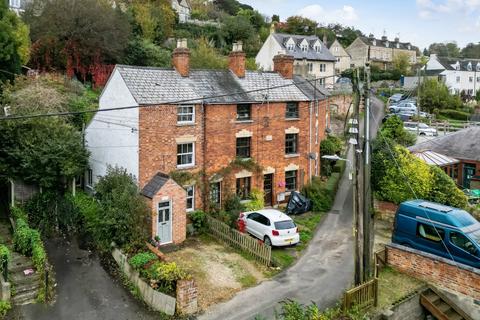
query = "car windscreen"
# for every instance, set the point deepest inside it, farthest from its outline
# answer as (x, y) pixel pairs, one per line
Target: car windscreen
(475, 235)
(283, 225)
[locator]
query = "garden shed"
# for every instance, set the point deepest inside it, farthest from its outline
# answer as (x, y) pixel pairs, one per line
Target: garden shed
(167, 201)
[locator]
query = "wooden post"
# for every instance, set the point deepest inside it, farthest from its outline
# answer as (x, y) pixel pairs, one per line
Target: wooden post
(12, 193)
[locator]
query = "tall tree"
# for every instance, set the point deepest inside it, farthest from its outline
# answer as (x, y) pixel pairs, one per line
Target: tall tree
(14, 43)
(153, 20)
(76, 35)
(401, 63)
(471, 51)
(449, 49)
(300, 25)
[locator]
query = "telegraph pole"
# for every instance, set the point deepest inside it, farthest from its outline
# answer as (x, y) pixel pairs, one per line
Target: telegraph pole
(356, 198)
(367, 200)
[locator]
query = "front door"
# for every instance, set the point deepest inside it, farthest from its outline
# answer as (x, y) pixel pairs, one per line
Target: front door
(468, 173)
(164, 225)
(268, 189)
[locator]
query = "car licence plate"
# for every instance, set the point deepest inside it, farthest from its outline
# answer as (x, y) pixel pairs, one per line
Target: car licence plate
(289, 240)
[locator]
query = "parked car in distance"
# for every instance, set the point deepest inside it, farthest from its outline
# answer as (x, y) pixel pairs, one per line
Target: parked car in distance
(403, 116)
(403, 107)
(440, 230)
(423, 129)
(271, 226)
(395, 98)
(344, 80)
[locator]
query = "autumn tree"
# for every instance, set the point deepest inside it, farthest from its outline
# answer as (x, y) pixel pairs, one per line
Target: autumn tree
(153, 20)
(401, 63)
(76, 35)
(14, 43)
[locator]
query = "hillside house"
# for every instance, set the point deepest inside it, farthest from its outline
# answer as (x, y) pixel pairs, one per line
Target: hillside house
(225, 132)
(379, 52)
(312, 59)
(183, 9)
(460, 75)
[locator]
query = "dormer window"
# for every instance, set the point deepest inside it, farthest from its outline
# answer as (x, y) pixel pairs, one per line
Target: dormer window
(469, 66)
(478, 67)
(290, 47)
(409, 47)
(457, 66)
(318, 48)
(304, 48)
(374, 42)
(398, 45)
(387, 44)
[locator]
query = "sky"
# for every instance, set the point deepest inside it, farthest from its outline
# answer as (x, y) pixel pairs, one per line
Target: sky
(420, 22)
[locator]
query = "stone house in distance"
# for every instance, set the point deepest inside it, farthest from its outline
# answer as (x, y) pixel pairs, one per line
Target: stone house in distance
(183, 9)
(379, 52)
(224, 132)
(344, 61)
(312, 59)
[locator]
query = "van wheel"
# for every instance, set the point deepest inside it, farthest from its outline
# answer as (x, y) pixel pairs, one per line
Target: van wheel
(267, 241)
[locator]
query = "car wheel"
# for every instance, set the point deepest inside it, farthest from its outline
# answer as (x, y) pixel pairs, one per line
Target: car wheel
(422, 133)
(392, 110)
(267, 241)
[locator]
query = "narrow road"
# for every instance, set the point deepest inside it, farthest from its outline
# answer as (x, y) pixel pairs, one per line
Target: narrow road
(85, 290)
(321, 275)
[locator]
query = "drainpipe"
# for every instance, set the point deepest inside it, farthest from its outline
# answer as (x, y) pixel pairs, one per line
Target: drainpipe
(310, 141)
(204, 151)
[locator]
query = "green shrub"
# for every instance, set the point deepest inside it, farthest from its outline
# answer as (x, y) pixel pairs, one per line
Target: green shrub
(18, 213)
(164, 276)
(25, 238)
(139, 260)
(39, 256)
(317, 192)
(455, 114)
(199, 220)
(4, 307)
(4, 256)
(257, 200)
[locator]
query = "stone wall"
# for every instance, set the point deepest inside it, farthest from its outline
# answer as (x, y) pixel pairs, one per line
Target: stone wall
(434, 269)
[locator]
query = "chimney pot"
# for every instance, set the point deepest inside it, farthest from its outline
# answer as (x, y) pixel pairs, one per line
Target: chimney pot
(283, 64)
(397, 39)
(181, 58)
(384, 38)
(236, 60)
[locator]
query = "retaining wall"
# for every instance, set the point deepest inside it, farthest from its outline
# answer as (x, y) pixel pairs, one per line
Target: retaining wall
(434, 269)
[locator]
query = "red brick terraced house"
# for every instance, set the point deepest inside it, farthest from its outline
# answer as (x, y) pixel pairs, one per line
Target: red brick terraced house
(219, 132)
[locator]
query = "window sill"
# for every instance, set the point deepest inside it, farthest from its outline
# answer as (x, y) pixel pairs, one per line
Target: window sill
(294, 155)
(245, 201)
(186, 124)
(186, 167)
(244, 121)
(292, 119)
(190, 210)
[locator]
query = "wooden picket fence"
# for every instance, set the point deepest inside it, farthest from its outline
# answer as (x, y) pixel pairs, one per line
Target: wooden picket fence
(363, 296)
(244, 242)
(380, 261)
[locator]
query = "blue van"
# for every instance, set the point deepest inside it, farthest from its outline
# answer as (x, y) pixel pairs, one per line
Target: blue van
(441, 230)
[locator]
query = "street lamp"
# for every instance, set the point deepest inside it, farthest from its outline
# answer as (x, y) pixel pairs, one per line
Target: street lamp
(337, 158)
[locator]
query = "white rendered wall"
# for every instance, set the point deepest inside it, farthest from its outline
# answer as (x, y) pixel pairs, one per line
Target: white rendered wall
(270, 49)
(112, 136)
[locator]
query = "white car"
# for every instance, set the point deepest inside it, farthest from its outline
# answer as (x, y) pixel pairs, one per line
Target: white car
(423, 129)
(403, 107)
(275, 228)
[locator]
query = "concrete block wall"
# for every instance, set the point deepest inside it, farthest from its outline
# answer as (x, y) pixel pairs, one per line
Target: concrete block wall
(433, 269)
(408, 309)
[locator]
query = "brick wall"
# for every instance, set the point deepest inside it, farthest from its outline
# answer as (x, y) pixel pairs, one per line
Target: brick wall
(187, 293)
(176, 194)
(342, 103)
(434, 269)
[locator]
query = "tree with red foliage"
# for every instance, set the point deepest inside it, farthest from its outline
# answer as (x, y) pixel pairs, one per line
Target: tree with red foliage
(82, 37)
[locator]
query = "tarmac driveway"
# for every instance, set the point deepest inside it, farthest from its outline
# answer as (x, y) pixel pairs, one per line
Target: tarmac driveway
(85, 290)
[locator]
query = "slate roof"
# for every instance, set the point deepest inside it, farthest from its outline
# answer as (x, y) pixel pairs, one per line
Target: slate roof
(391, 44)
(308, 88)
(150, 85)
(154, 185)
(450, 63)
(462, 144)
(311, 53)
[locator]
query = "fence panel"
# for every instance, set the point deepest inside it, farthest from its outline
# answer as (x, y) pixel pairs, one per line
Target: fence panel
(380, 261)
(244, 242)
(363, 296)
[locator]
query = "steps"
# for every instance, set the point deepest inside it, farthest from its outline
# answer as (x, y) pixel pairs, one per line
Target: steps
(26, 287)
(441, 307)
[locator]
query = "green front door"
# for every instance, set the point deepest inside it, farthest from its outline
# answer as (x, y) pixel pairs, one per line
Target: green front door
(469, 170)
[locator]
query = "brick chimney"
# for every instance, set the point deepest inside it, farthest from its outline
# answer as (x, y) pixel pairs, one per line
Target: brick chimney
(283, 64)
(236, 60)
(181, 58)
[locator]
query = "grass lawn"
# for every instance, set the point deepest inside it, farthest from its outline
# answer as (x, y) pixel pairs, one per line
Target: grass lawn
(307, 224)
(394, 286)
